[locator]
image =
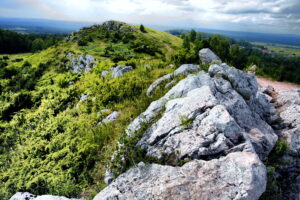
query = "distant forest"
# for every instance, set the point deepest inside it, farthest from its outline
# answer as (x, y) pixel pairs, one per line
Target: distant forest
(12, 42)
(240, 54)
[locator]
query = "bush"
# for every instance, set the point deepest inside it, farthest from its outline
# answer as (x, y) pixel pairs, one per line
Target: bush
(142, 28)
(82, 42)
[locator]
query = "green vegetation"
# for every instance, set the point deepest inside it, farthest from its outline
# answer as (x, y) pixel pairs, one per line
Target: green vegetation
(50, 141)
(272, 163)
(12, 42)
(185, 121)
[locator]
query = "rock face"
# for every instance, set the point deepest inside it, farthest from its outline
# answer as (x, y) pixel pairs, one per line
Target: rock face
(236, 176)
(183, 69)
(29, 196)
(288, 103)
(207, 57)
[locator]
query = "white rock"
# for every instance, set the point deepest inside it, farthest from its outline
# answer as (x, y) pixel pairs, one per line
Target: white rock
(239, 175)
(208, 57)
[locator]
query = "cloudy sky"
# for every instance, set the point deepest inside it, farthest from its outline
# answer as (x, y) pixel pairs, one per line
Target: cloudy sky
(273, 16)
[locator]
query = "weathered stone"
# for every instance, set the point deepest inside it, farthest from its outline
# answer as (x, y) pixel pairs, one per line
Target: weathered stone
(110, 118)
(82, 63)
(243, 83)
(84, 97)
(287, 98)
(23, 196)
(183, 69)
(29, 196)
(207, 57)
(120, 70)
(239, 175)
(191, 100)
(117, 71)
(179, 90)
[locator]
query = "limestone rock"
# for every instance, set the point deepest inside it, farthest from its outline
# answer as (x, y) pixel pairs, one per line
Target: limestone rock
(29, 196)
(120, 70)
(219, 119)
(110, 118)
(207, 57)
(84, 97)
(23, 196)
(243, 83)
(82, 63)
(183, 69)
(239, 175)
(287, 98)
(117, 71)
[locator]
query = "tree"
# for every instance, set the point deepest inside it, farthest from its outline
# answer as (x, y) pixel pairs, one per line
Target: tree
(193, 35)
(142, 28)
(238, 57)
(186, 43)
(37, 44)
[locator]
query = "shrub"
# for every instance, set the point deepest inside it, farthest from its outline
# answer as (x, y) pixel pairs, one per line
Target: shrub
(82, 42)
(142, 28)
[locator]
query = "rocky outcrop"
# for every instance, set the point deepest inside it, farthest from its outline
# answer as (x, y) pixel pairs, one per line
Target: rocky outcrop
(207, 57)
(236, 176)
(117, 71)
(182, 70)
(82, 63)
(29, 196)
(205, 116)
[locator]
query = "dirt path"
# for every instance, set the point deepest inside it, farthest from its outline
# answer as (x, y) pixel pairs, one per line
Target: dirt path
(278, 86)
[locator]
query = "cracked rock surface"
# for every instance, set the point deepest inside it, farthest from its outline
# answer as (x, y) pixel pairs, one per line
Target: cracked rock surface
(230, 177)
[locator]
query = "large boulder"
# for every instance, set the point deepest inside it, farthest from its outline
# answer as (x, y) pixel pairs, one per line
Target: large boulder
(207, 57)
(239, 175)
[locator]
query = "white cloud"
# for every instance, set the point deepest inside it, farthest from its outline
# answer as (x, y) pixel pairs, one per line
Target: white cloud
(222, 14)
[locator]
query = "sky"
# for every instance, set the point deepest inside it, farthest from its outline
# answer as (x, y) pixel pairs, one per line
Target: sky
(268, 16)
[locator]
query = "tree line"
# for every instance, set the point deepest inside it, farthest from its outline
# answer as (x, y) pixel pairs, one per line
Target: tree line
(13, 42)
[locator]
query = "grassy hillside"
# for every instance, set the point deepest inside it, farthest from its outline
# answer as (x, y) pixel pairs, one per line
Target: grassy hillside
(50, 141)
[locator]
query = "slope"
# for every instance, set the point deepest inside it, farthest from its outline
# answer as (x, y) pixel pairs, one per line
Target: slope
(51, 140)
